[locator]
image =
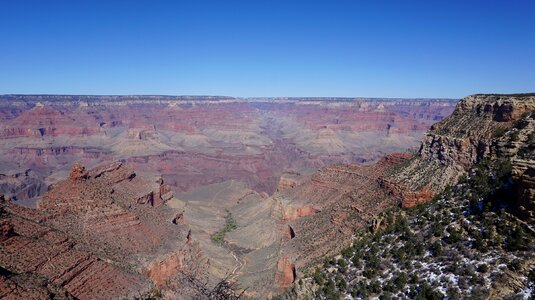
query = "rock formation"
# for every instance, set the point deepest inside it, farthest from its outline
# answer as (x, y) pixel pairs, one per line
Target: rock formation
(252, 140)
(453, 145)
(223, 156)
(285, 275)
(348, 197)
(524, 176)
(93, 237)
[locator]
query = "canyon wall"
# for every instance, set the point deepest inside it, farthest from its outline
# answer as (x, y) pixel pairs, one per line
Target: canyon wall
(282, 169)
(95, 236)
(345, 198)
(195, 141)
(261, 194)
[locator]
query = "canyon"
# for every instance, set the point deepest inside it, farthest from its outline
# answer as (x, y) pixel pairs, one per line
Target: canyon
(173, 194)
(197, 141)
(173, 199)
(455, 220)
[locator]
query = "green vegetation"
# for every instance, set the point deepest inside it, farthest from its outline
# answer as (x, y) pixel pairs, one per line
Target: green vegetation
(456, 244)
(498, 132)
(230, 225)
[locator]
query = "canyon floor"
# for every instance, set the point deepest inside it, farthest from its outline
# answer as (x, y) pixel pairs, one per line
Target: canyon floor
(223, 186)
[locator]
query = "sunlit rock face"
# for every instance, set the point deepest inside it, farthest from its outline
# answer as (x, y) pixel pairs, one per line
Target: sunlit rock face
(152, 184)
(94, 236)
(195, 141)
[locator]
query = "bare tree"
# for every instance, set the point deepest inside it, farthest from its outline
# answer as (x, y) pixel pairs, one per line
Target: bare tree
(223, 290)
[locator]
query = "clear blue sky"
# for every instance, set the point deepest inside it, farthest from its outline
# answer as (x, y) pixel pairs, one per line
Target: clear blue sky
(268, 48)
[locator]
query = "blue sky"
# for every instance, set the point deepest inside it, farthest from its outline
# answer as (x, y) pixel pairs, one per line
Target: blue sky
(268, 48)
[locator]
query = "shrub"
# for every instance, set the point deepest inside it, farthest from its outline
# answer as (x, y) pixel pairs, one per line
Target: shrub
(369, 273)
(480, 244)
(318, 277)
(329, 287)
(385, 296)
(341, 282)
(347, 252)
(436, 248)
(454, 236)
(483, 268)
(517, 240)
(342, 265)
(479, 293)
(356, 261)
(453, 293)
(230, 225)
(438, 229)
(531, 275)
(425, 292)
(515, 265)
(374, 287)
(401, 280)
(498, 132)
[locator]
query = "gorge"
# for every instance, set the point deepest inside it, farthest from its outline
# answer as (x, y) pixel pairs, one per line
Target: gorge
(174, 194)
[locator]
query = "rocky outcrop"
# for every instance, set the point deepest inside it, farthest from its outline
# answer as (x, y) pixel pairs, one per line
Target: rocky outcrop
(350, 197)
(78, 173)
(124, 248)
(285, 274)
(41, 251)
(343, 197)
(179, 219)
(291, 213)
(454, 145)
(524, 175)
(411, 199)
(286, 182)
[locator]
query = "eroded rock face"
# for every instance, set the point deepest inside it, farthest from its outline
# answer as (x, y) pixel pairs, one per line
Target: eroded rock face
(29, 286)
(39, 250)
(338, 200)
(351, 196)
(285, 274)
(124, 248)
(524, 176)
(22, 185)
(455, 144)
(252, 140)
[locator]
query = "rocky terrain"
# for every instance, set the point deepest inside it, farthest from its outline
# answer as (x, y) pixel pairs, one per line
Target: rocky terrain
(248, 204)
(175, 229)
(100, 234)
(196, 141)
(221, 156)
(463, 223)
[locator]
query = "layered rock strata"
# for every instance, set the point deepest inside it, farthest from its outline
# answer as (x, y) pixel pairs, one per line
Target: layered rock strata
(196, 141)
(103, 233)
(348, 197)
